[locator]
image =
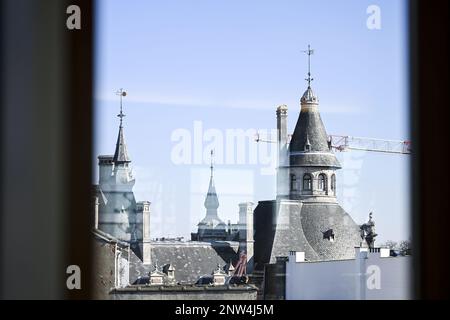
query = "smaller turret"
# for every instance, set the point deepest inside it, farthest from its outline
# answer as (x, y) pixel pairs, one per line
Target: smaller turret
(211, 227)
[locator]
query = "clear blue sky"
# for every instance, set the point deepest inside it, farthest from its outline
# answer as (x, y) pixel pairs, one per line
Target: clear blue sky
(228, 65)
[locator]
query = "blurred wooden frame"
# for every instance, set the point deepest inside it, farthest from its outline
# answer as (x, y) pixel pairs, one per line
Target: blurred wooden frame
(46, 123)
(81, 141)
(430, 135)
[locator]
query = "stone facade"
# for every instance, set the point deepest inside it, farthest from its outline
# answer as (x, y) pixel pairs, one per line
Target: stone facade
(116, 211)
(305, 215)
(111, 264)
(124, 221)
(373, 274)
(116, 203)
(246, 233)
(225, 292)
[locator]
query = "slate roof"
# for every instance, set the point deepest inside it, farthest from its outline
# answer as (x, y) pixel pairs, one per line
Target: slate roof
(289, 234)
(300, 226)
(211, 200)
(311, 159)
(190, 259)
(317, 218)
(106, 237)
(121, 153)
(310, 131)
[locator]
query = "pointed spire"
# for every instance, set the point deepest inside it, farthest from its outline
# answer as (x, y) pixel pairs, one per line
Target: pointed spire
(121, 153)
(211, 201)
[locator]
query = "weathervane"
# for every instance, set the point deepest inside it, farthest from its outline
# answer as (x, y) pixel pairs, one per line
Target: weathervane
(122, 94)
(309, 52)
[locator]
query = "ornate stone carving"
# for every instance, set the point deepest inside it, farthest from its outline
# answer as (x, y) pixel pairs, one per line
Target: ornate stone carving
(368, 231)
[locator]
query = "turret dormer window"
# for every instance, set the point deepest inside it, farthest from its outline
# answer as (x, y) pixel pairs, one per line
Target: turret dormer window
(307, 144)
(293, 182)
(333, 184)
(307, 185)
(322, 182)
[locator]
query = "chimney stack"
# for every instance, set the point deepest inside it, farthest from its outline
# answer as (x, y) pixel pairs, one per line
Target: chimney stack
(282, 142)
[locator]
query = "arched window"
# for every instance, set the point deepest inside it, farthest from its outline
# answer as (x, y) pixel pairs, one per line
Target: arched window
(322, 182)
(293, 182)
(307, 182)
(333, 183)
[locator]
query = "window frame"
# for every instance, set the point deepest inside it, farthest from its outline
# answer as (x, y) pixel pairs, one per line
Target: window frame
(293, 183)
(322, 182)
(307, 177)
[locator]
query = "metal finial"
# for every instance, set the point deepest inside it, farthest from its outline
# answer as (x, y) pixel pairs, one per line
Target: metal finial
(212, 164)
(309, 52)
(122, 94)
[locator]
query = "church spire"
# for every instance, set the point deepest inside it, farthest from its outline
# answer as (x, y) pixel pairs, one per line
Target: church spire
(211, 227)
(121, 153)
(211, 201)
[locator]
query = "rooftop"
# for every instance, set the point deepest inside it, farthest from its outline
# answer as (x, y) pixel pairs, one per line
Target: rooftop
(184, 288)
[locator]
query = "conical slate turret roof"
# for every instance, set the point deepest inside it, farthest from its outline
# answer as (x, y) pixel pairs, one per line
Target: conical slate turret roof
(309, 145)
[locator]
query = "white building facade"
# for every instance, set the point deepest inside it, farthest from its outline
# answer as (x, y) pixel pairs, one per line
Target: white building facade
(372, 275)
